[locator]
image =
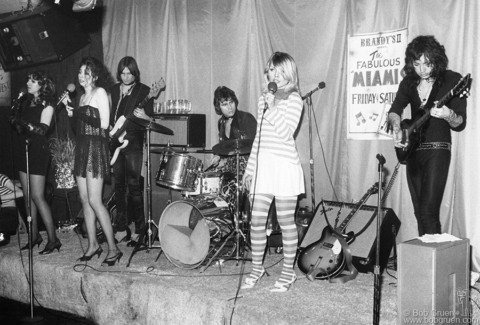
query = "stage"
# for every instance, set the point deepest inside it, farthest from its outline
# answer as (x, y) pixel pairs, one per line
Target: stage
(159, 292)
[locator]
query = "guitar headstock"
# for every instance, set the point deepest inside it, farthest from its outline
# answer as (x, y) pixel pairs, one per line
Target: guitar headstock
(156, 87)
(463, 86)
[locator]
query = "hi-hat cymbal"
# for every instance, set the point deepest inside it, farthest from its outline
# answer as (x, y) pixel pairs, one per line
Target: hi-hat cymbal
(153, 125)
(233, 147)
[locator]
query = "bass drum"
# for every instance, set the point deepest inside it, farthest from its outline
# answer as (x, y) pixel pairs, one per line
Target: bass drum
(189, 227)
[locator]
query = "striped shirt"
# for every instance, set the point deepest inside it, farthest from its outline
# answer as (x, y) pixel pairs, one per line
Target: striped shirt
(4, 190)
(277, 130)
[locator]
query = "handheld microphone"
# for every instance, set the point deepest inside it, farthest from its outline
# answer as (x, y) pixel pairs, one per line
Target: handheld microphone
(321, 85)
(272, 89)
(70, 89)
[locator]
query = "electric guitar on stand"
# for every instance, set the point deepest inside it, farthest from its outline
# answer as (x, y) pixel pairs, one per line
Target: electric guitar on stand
(411, 128)
(325, 258)
(118, 132)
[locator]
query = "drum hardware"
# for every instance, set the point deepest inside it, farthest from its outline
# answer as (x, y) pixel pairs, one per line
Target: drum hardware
(149, 125)
(235, 147)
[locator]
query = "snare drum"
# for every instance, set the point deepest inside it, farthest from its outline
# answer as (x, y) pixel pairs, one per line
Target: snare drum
(207, 183)
(178, 171)
(189, 228)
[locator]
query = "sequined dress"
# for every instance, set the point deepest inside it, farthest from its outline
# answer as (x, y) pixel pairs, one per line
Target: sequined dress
(91, 152)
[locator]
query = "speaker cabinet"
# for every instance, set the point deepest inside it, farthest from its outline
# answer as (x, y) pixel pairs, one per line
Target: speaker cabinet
(363, 248)
(43, 35)
(188, 130)
(433, 282)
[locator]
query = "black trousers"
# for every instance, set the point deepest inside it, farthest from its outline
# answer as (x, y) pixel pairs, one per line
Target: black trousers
(427, 172)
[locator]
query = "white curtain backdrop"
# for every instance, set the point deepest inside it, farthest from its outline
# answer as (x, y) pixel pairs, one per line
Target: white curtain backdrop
(198, 45)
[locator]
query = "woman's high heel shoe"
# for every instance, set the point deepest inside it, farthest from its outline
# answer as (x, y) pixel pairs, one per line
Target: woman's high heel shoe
(51, 246)
(110, 261)
(251, 281)
(284, 286)
(37, 241)
(86, 258)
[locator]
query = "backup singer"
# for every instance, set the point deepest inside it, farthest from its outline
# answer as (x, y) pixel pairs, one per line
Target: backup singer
(126, 96)
(274, 169)
(233, 124)
(32, 122)
(92, 158)
(426, 75)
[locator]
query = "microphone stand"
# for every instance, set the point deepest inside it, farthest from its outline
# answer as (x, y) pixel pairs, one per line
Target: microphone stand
(310, 142)
(32, 319)
(377, 286)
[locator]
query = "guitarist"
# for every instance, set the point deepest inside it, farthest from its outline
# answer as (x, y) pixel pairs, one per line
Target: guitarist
(126, 96)
(426, 81)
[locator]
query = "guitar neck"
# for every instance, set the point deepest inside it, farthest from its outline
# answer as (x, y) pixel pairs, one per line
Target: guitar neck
(352, 213)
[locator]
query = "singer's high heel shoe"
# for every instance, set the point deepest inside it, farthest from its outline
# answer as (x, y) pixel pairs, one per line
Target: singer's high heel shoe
(86, 258)
(110, 261)
(284, 286)
(252, 280)
(51, 246)
(36, 241)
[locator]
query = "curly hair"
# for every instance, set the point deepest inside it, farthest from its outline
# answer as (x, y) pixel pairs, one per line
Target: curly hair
(288, 67)
(47, 87)
(434, 53)
(131, 64)
(223, 93)
(100, 73)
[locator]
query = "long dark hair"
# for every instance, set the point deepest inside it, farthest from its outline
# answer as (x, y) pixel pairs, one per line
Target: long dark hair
(131, 64)
(99, 71)
(434, 53)
(46, 92)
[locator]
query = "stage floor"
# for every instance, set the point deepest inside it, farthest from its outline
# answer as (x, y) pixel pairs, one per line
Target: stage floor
(159, 292)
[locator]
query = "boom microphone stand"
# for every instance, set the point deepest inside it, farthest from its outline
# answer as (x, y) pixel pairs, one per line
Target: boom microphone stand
(308, 98)
(377, 287)
(32, 319)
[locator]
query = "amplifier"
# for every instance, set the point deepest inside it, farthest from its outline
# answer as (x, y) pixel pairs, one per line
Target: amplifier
(188, 130)
(363, 248)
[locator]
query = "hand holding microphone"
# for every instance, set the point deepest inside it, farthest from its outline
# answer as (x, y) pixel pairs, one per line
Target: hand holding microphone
(269, 97)
(65, 95)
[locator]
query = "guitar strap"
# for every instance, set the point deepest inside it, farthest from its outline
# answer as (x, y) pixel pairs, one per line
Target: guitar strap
(352, 272)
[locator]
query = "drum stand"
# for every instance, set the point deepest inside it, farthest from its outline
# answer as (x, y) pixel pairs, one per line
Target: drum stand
(236, 231)
(148, 230)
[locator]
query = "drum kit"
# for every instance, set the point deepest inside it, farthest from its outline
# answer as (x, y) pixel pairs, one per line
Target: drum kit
(203, 222)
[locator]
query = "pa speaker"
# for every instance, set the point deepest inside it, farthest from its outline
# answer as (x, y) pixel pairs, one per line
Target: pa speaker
(43, 35)
(433, 282)
(363, 248)
(188, 130)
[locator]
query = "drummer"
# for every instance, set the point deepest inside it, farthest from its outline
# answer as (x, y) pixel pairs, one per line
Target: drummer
(232, 124)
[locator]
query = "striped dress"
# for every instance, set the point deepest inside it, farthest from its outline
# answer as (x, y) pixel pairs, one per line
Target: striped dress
(277, 163)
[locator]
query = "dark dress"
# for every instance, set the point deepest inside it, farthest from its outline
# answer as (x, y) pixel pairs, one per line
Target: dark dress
(91, 151)
(38, 149)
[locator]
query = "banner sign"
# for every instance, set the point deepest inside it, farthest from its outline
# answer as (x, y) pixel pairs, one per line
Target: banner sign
(375, 63)
(5, 88)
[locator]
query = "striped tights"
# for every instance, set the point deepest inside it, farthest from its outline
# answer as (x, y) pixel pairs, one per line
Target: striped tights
(286, 219)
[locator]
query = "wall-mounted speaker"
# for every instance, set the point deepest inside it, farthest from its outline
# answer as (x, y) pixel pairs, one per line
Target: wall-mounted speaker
(43, 35)
(188, 130)
(363, 248)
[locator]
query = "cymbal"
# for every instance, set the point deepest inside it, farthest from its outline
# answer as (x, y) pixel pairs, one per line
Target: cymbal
(233, 147)
(153, 125)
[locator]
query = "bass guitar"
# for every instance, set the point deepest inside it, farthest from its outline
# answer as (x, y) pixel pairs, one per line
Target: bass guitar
(411, 127)
(326, 255)
(118, 132)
